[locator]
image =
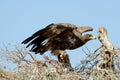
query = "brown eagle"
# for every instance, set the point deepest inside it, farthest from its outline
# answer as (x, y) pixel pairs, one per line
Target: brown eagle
(57, 38)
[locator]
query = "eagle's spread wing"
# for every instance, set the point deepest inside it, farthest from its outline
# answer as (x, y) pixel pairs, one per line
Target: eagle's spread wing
(44, 33)
(83, 29)
(48, 32)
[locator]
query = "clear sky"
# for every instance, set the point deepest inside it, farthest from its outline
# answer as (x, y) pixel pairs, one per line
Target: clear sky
(21, 18)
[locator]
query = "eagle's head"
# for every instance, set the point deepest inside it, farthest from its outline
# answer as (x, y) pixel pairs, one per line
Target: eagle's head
(88, 37)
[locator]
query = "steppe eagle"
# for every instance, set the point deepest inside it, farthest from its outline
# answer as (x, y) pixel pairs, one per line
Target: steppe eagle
(57, 38)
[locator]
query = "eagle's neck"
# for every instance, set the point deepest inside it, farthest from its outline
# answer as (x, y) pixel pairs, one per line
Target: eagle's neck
(85, 39)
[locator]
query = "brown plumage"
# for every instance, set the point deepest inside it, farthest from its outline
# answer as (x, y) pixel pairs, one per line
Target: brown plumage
(58, 37)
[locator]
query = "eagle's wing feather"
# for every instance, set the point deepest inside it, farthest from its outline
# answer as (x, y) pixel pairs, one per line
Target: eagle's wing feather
(83, 29)
(48, 32)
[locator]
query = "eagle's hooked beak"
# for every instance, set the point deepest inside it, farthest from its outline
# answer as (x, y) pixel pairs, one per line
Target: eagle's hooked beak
(92, 37)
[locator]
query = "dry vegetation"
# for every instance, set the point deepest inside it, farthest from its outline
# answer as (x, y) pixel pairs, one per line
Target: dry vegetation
(29, 67)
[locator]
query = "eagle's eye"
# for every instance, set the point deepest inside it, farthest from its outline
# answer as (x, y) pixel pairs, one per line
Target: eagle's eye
(90, 35)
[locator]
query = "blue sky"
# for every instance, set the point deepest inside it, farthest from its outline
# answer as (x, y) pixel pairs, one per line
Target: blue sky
(21, 18)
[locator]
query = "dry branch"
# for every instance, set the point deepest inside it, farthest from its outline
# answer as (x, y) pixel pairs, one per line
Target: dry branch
(107, 50)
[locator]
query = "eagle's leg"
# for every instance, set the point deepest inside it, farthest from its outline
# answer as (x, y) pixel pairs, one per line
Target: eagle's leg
(63, 57)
